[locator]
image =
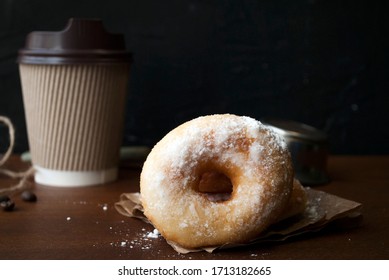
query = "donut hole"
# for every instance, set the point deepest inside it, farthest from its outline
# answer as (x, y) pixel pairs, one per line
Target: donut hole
(216, 186)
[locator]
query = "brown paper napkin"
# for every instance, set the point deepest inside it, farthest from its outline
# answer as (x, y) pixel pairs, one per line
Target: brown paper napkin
(322, 208)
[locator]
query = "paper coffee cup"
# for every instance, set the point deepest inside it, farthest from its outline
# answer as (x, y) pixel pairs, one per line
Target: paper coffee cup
(74, 102)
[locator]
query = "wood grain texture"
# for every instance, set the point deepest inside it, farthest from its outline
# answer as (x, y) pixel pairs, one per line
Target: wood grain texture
(81, 223)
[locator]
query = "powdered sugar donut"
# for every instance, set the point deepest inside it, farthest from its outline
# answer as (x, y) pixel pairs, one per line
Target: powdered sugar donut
(251, 155)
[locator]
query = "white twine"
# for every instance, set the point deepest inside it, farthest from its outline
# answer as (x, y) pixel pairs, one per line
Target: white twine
(24, 175)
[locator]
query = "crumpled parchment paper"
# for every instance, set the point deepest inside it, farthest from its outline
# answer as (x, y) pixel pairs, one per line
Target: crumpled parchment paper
(322, 208)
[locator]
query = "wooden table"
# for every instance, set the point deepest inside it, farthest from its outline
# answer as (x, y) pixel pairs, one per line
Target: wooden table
(82, 223)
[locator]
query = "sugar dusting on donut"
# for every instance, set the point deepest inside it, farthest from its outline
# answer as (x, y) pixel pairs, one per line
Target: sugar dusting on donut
(251, 155)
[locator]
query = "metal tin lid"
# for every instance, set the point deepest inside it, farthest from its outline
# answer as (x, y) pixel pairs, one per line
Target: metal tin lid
(308, 147)
(298, 130)
(82, 41)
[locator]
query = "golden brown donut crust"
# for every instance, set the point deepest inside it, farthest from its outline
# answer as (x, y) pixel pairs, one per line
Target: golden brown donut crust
(251, 155)
(297, 202)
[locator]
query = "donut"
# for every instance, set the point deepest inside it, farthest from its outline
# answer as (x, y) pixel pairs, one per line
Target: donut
(297, 202)
(238, 149)
(218, 188)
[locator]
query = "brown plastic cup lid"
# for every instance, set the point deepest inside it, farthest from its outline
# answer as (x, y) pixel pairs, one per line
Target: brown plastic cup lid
(82, 41)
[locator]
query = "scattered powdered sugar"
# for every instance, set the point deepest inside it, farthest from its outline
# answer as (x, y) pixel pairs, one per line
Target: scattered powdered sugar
(312, 211)
(154, 234)
(146, 241)
(104, 206)
(183, 224)
(143, 240)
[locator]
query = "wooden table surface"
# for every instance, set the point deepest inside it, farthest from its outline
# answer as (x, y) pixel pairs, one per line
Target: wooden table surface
(82, 223)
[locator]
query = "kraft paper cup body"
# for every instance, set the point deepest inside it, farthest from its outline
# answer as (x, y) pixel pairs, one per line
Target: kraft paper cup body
(74, 84)
(74, 115)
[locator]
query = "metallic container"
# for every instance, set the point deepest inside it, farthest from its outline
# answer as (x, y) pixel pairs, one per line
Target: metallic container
(308, 147)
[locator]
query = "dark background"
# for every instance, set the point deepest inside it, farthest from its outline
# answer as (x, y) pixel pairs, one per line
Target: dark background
(320, 62)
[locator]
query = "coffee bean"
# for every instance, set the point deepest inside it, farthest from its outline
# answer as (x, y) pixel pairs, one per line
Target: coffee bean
(4, 198)
(8, 205)
(29, 196)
